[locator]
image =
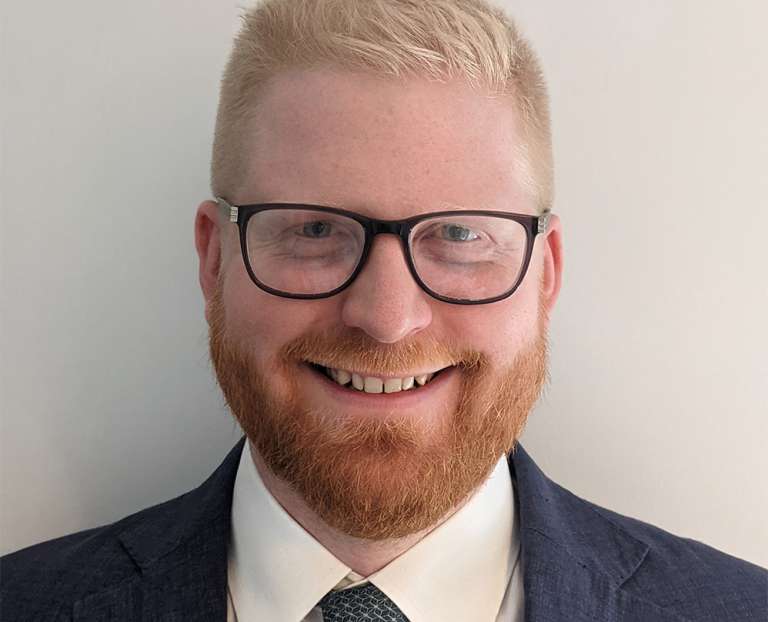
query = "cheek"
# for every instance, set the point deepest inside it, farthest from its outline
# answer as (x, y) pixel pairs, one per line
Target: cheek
(502, 329)
(262, 323)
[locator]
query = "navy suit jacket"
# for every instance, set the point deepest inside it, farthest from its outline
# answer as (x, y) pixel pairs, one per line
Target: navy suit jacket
(580, 563)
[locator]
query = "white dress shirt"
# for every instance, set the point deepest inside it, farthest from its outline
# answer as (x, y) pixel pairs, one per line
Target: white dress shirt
(466, 569)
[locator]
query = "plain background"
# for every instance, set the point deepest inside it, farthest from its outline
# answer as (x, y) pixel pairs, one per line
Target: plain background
(657, 404)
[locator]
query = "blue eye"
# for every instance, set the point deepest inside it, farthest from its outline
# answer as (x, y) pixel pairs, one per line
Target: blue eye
(316, 229)
(457, 233)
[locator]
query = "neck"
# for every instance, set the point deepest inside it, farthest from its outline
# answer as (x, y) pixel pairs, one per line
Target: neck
(363, 556)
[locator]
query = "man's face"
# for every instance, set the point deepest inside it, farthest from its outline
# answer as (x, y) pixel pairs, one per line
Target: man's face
(379, 465)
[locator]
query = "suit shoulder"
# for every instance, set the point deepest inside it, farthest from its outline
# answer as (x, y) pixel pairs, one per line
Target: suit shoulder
(47, 578)
(693, 578)
(675, 549)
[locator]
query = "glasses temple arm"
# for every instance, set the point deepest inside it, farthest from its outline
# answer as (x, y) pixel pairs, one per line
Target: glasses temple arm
(228, 212)
(543, 221)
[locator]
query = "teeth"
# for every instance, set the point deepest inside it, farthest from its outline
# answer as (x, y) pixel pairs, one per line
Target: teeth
(392, 385)
(371, 384)
(342, 377)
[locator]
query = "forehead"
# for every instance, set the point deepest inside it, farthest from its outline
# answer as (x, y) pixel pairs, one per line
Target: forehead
(387, 147)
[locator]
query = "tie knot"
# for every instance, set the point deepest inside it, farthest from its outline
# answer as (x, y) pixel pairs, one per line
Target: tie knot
(364, 603)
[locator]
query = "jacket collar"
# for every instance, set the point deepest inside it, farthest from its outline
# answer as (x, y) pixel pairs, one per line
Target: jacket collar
(200, 512)
(575, 558)
(181, 553)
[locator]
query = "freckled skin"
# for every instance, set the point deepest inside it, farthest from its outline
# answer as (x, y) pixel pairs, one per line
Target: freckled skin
(389, 149)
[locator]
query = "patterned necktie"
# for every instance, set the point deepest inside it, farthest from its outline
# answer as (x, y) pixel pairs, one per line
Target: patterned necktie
(364, 603)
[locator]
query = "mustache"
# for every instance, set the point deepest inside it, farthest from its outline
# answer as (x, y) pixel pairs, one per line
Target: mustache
(354, 349)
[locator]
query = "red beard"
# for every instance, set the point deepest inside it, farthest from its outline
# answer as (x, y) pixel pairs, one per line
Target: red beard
(379, 478)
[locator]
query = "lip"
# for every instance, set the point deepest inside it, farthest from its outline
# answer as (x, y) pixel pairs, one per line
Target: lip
(400, 399)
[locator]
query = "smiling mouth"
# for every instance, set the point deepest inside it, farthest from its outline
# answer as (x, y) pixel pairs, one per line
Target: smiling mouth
(363, 383)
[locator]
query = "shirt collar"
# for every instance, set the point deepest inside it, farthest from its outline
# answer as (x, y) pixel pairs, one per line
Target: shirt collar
(459, 571)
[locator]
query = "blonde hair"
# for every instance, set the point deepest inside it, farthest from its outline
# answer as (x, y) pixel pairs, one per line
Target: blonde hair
(436, 39)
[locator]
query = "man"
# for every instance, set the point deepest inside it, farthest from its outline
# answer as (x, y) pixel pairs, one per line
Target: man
(379, 267)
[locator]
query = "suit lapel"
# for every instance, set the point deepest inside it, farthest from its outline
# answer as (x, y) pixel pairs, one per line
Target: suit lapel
(193, 587)
(559, 588)
(175, 589)
(574, 559)
(181, 555)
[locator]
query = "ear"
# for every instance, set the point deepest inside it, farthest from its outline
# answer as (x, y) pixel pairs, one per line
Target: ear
(553, 263)
(209, 247)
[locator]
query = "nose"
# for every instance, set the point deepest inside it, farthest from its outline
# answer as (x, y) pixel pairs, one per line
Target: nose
(384, 300)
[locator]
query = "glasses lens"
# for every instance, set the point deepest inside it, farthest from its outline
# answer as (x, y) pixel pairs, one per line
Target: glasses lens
(303, 251)
(469, 257)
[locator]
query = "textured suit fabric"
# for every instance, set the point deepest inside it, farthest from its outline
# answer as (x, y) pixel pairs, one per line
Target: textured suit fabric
(580, 563)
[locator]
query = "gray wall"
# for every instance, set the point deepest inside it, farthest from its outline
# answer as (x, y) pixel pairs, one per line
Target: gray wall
(657, 406)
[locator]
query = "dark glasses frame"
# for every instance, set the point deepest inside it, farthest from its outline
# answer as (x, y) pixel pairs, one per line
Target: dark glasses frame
(241, 214)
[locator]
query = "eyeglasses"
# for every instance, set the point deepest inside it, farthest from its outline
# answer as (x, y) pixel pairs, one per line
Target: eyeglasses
(312, 251)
